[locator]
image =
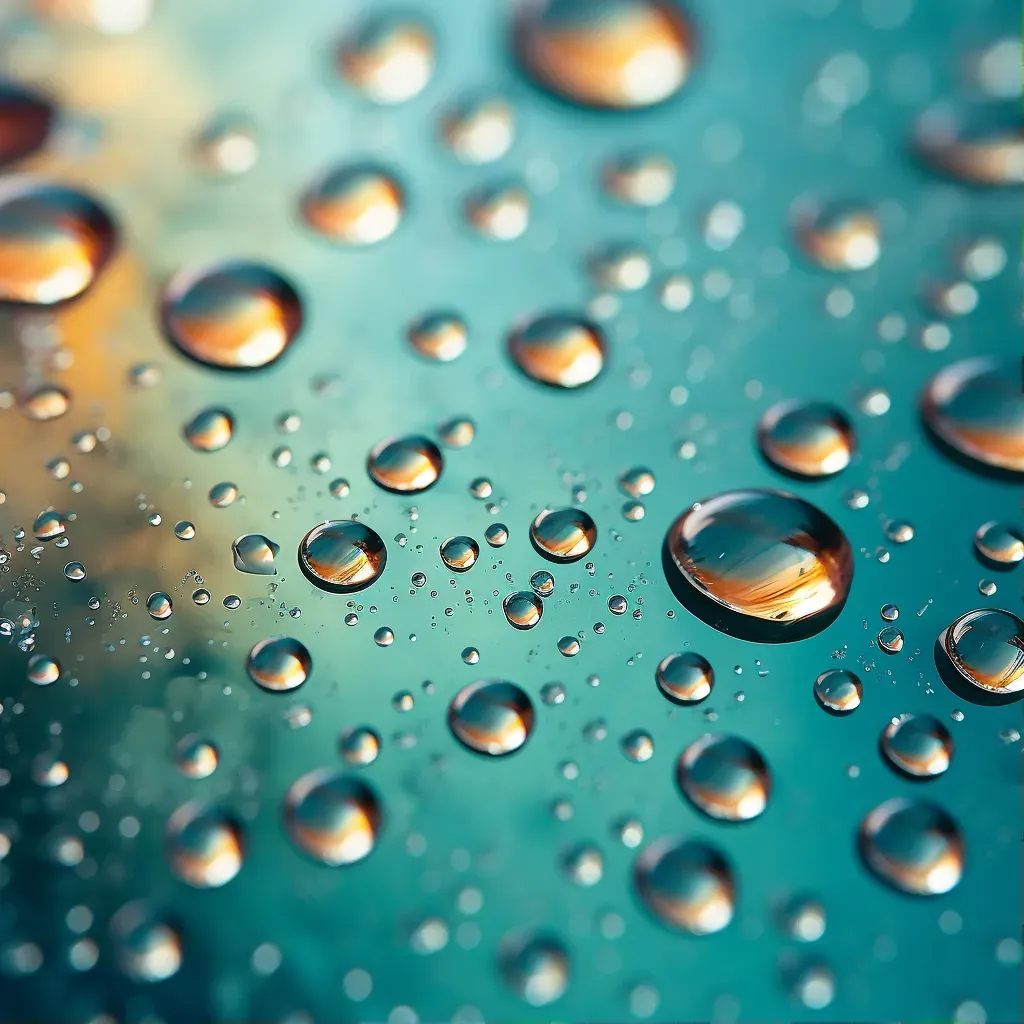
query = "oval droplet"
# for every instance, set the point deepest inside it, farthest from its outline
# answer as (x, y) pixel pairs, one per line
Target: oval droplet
(279, 663)
(917, 745)
(342, 556)
(195, 757)
(492, 717)
(333, 817)
(355, 205)
(204, 845)
(559, 350)
(460, 553)
(389, 58)
(838, 691)
(43, 670)
(359, 746)
(981, 656)
(978, 146)
(209, 430)
(685, 678)
(26, 118)
(253, 553)
(806, 439)
(563, 535)
(640, 179)
(999, 545)
(498, 212)
(43, 402)
(535, 966)
(439, 336)
(523, 610)
(479, 130)
(148, 948)
(542, 583)
(223, 494)
(405, 465)
(725, 777)
(841, 238)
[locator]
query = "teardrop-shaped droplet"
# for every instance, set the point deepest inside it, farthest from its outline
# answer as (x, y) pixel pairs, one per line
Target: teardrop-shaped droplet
(492, 717)
(999, 545)
(279, 663)
(685, 678)
(204, 845)
(389, 58)
(535, 966)
(838, 691)
(333, 817)
(405, 465)
(841, 238)
(356, 204)
(523, 609)
(917, 745)
(558, 349)
(209, 430)
(981, 656)
(25, 121)
(761, 565)
(806, 439)
(342, 556)
(563, 535)
(460, 553)
(439, 336)
(148, 947)
(725, 777)
(253, 553)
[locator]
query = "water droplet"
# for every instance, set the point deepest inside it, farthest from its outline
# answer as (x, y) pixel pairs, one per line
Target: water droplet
(42, 402)
(915, 847)
(917, 745)
(26, 118)
(457, 433)
(223, 494)
(492, 717)
(231, 316)
(838, 691)
(470, 655)
(148, 948)
(159, 606)
(439, 336)
(617, 604)
(563, 535)
(43, 670)
(499, 212)
(543, 583)
(815, 986)
(523, 610)
(584, 865)
(232, 601)
(48, 526)
(841, 238)
(688, 886)
(389, 58)
(552, 693)
(804, 919)
(201, 596)
(617, 54)
(999, 545)
(204, 845)
(227, 145)
(405, 465)
(54, 242)
(496, 535)
(339, 488)
(195, 757)
(899, 531)
(460, 553)
(75, 571)
(359, 204)
(980, 146)
(890, 639)
(333, 817)
(761, 565)
(209, 430)
(279, 663)
(639, 179)
(184, 530)
(685, 678)
(890, 612)
(637, 482)
(558, 349)
(536, 967)
(384, 636)
(633, 511)
(481, 488)
(725, 777)
(342, 556)
(253, 553)
(806, 439)
(981, 656)
(620, 267)
(359, 746)
(479, 130)
(638, 745)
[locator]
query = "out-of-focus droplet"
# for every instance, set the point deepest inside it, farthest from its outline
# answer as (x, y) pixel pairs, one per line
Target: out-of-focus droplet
(42, 402)
(806, 439)
(841, 238)
(457, 432)
(804, 919)
(638, 745)
(43, 670)
(439, 336)
(195, 757)
(479, 131)
(999, 545)
(209, 430)
(915, 847)
(563, 535)
(917, 745)
(685, 678)
(762, 565)
(496, 535)
(981, 656)
(54, 242)
(899, 531)
(253, 553)
(231, 316)
(615, 54)
(405, 465)
(584, 864)
(542, 583)
(982, 146)
(204, 845)
(639, 179)
(686, 885)
(279, 663)
(460, 553)
(725, 777)
(359, 746)
(558, 349)
(815, 985)
(492, 717)
(333, 817)
(26, 118)
(48, 526)
(637, 482)
(148, 948)
(358, 204)
(342, 556)
(227, 145)
(535, 966)
(975, 410)
(499, 212)
(890, 639)
(389, 58)
(159, 606)
(838, 691)
(523, 609)
(620, 268)
(223, 494)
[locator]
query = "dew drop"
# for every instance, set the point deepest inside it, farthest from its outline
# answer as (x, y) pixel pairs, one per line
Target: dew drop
(460, 553)
(223, 494)
(75, 571)
(333, 817)
(982, 146)
(584, 865)
(184, 530)
(342, 556)
(457, 433)
(355, 205)
(563, 535)
(479, 130)
(42, 402)
(638, 746)
(498, 212)
(557, 349)
(204, 845)
(439, 336)
(253, 553)
(917, 745)
(639, 179)
(725, 777)
(806, 439)
(159, 606)
(523, 610)
(148, 948)
(195, 757)
(48, 526)
(389, 58)
(227, 145)
(999, 545)
(543, 583)
(43, 670)
(496, 535)
(685, 678)
(279, 664)
(838, 691)
(637, 482)
(841, 238)
(981, 656)
(890, 639)
(534, 966)
(384, 636)
(406, 465)
(359, 746)
(568, 647)
(491, 717)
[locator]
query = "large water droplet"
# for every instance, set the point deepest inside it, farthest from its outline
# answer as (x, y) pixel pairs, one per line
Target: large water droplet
(389, 58)
(159, 605)
(492, 717)
(253, 553)
(725, 777)
(838, 691)
(25, 121)
(355, 205)
(43, 670)
(685, 678)
(342, 556)
(204, 845)
(999, 545)
(148, 948)
(981, 656)
(917, 745)
(563, 535)
(48, 526)
(333, 817)
(523, 610)
(279, 663)
(558, 349)
(806, 439)
(536, 967)
(405, 465)
(439, 336)
(209, 430)
(460, 553)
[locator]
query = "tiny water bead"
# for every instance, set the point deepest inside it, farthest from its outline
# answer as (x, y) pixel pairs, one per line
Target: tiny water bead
(148, 948)
(917, 745)
(542, 583)
(342, 556)
(890, 639)
(639, 179)
(838, 691)
(498, 212)
(333, 817)
(254, 554)
(915, 847)
(223, 494)
(405, 465)
(75, 571)
(389, 58)
(159, 606)
(204, 845)
(26, 118)
(195, 757)
(355, 205)
(685, 678)
(534, 966)
(231, 316)
(999, 545)
(559, 350)
(563, 535)
(725, 777)
(982, 653)
(638, 746)
(48, 526)
(974, 410)
(439, 336)
(43, 402)
(613, 54)
(686, 885)
(54, 242)
(806, 439)
(761, 565)
(43, 670)
(840, 238)
(460, 553)
(523, 610)
(637, 482)
(359, 746)
(279, 663)
(209, 430)
(493, 717)
(479, 130)
(496, 535)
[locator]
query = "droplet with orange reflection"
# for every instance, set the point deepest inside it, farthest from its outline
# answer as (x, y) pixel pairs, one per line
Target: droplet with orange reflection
(333, 817)
(355, 205)
(204, 845)
(806, 439)
(405, 465)
(493, 717)
(559, 350)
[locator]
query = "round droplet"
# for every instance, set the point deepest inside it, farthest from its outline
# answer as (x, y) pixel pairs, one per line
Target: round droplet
(481, 488)
(838, 691)
(342, 556)
(333, 817)
(43, 670)
(388, 58)
(355, 205)
(977, 146)
(457, 432)
(687, 886)
(209, 430)
(359, 746)
(804, 919)
(231, 316)
(159, 606)
(536, 967)
(195, 757)
(806, 439)
(899, 531)
(725, 777)
(523, 610)
(981, 655)
(201, 596)
(460, 553)
(496, 535)
(999, 545)
(917, 745)
(148, 948)
(568, 646)
(640, 179)
(841, 238)
(974, 409)
(340, 488)
(384, 636)
(584, 865)
(685, 678)
(492, 717)
(255, 554)
(615, 54)
(405, 465)
(26, 118)
(761, 565)
(498, 212)
(620, 268)
(915, 847)
(480, 130)
(439, 336)
(890, 639)
(638, 745)
(48, 526)
(563, 535)
(42, 402)
(542, 583)
(890, 612)
(75, 571)
(54, 242)
(227, 145)
(279, 663)
(184, 530)
(223, 494)
(559, 350)
(204, 845)
(637, 482)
